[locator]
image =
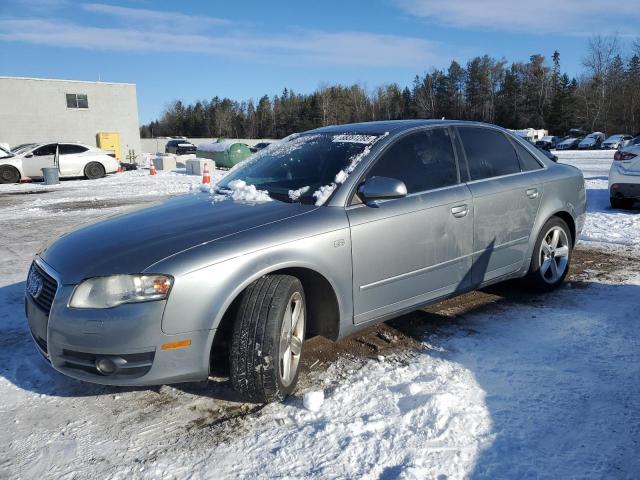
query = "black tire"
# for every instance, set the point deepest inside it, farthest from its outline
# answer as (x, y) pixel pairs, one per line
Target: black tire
(621, 203)
(540, 278)
(9, 174)
(255, 356)
(94, 170)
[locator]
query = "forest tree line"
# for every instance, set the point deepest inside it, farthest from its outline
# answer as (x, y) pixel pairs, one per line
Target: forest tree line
(605, 97)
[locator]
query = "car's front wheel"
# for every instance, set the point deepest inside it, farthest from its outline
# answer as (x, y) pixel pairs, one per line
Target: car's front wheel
(551, 256)
(9, 174)
(268, 335)
(94, 170)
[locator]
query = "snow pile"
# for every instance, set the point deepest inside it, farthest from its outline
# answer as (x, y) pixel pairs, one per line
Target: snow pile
(296, 194)
(240, 191)
(324, 192)
(313, 400)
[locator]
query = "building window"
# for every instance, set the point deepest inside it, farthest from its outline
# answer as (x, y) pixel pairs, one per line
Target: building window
(77, 100)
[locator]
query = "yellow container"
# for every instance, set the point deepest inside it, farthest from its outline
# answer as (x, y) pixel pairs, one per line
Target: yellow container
(110, 141)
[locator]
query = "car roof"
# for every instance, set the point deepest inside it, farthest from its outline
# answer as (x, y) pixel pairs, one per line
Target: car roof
(391, 126)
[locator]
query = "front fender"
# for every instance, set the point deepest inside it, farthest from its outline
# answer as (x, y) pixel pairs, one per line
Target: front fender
(15, 162)
(199, 299)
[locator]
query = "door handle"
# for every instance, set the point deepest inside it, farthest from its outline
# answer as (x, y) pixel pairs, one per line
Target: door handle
(459, 211)
(532, 193)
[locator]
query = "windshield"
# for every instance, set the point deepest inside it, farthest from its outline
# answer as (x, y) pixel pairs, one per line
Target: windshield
(294, 169)
(614, 138)
(23, 147)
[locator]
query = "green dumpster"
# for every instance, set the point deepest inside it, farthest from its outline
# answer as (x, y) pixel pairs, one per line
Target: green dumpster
(225, 153)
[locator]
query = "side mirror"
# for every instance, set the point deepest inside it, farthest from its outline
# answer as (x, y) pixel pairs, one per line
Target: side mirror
(28, 155)
(382, 188)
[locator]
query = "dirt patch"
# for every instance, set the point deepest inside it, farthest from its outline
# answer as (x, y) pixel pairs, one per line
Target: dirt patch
(407, 331)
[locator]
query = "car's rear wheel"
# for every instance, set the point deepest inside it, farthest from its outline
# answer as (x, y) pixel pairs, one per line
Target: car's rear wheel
(9, 174)
(267, 339)
(94, 170)
(551, 256)
(621, 203)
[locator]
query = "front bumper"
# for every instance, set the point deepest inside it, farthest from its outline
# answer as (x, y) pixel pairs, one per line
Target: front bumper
(129, 335)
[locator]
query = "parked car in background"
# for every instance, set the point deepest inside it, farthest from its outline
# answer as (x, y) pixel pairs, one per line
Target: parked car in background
(548, 142)
(325, 233)
(259, 146)
(180, 147)
(570, 143)
(4, 151)
(614, 142)
(591, 141)
(21, 147)
(624, 177)
(74, 160)
(548, 154)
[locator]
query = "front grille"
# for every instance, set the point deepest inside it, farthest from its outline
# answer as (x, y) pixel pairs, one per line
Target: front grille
(42, 343)
(44, 299)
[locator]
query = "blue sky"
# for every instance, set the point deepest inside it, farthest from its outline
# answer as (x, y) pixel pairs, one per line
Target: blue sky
(194, 50)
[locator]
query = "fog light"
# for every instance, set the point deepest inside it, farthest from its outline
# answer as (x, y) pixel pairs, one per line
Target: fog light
(106, 366)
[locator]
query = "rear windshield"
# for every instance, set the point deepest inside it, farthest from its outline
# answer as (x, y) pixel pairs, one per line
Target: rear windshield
(303, 164)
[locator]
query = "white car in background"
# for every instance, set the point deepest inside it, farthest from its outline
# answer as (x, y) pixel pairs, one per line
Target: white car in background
(617, 141)
(624, 177)
(75, 160)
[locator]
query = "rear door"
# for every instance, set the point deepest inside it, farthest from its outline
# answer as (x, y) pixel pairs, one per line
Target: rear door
(506, 197)
(41, 157)
(72, 158)
(410, 250)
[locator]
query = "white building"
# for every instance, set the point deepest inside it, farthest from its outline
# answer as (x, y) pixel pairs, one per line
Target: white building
(47, 110)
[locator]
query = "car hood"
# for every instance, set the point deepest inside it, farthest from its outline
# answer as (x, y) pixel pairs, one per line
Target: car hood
(132, 242)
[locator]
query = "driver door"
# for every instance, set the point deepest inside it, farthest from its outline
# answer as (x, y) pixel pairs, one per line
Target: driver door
(33, 162)
(411, 250)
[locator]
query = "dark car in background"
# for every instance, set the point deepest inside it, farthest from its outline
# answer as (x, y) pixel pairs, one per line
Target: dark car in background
(180, 147)
(548, 142)
(259, 146)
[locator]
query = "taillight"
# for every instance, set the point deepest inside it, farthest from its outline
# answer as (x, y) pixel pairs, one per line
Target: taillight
(624, 155)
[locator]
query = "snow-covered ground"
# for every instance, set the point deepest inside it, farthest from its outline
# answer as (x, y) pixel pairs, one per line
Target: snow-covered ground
(525, 387)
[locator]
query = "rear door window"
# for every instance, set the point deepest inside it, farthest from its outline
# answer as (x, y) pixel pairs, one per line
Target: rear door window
(68, 149)
(423, 161)
(489, 153)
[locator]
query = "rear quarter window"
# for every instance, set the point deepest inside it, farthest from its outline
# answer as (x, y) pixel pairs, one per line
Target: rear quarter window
(489, 153)
(527, 160)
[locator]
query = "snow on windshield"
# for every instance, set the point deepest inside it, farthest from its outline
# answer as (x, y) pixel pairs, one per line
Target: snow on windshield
(324, 192)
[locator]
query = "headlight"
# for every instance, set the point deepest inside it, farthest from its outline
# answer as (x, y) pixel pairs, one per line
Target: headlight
(107, 292)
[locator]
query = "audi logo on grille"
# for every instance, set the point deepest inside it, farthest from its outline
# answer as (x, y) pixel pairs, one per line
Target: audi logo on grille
(34, 283)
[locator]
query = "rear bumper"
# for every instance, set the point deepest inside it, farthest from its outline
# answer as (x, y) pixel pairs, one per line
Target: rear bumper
(625, 190)
(130, 336)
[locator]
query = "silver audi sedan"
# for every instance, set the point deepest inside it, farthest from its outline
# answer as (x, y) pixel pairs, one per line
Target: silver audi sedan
(323, 233)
